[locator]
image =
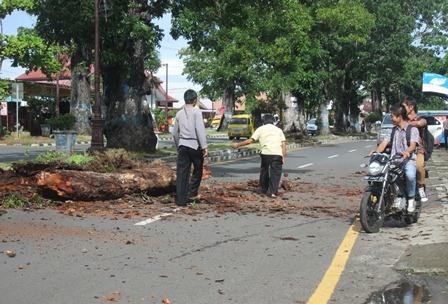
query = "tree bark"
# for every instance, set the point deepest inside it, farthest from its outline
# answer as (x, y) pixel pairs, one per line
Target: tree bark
(128, 121)
(294, 118)
(323, 122)
(81, 94)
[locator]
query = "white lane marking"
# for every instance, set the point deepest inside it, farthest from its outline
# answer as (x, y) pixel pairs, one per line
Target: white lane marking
(155, 218)
(354, 150)
(333, 156)
(369, 146)
(307, 165)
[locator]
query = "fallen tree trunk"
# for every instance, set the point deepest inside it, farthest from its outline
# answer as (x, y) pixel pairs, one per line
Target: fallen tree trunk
(90, 186)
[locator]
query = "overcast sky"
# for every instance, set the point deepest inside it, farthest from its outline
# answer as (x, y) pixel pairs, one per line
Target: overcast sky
(177, 83)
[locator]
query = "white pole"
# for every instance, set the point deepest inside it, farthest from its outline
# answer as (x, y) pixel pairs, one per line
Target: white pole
(17, 111)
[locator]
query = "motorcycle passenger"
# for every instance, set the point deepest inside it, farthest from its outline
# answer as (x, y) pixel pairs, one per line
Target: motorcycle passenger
(410, 103)
(400, 146)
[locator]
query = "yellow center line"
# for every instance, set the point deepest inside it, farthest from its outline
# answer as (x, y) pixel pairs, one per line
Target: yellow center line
(326, 287)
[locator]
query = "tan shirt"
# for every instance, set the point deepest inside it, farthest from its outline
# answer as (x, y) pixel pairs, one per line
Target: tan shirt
(445, 124)
(271, 138)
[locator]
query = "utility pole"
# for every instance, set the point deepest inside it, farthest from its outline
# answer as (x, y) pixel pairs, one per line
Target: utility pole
(97, 123)
(166, 98)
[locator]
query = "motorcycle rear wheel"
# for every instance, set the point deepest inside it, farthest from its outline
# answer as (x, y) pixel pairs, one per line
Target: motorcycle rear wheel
(371, 214)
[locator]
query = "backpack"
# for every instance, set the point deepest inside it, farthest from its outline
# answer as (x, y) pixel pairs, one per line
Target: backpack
(427, 140)
(428, 143)
(392, 136)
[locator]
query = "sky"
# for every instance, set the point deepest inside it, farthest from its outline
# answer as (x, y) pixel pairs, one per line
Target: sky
(177, 83)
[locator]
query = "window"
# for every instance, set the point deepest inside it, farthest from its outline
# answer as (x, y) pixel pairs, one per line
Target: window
(238, 121)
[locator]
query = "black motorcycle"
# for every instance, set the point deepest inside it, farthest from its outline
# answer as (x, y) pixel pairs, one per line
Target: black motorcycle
(386, 195)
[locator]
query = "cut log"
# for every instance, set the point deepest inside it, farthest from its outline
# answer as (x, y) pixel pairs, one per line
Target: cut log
(89, 186)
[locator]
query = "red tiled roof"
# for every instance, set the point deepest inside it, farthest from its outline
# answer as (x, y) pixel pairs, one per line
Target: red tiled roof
(39, 76)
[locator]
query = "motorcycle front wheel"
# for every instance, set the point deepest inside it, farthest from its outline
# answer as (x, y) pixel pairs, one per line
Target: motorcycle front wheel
(371, 212)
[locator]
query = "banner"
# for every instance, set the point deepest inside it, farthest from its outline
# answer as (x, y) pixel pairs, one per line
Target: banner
(435, 83)
(4, 109)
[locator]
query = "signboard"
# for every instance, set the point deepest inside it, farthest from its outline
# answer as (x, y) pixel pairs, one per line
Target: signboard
(435, 83)
(4, 109)
(17, 91)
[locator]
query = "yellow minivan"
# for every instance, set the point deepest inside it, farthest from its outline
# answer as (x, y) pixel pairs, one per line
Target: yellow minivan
(241, 126)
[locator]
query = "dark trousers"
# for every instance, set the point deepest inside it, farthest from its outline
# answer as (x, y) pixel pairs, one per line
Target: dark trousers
(184, 186)
(270, 173)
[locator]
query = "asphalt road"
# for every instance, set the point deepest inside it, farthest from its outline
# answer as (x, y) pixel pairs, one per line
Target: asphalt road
(211, 258)
(10, 153)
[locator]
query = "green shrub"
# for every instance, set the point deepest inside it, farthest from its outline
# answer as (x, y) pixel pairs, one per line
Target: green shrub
(13, 201)
(80, 159)
(373, 117)
(62, 122)
(50, 156)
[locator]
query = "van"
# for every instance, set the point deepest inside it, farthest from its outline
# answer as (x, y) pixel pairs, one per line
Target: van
(241, 126)
(215, 122)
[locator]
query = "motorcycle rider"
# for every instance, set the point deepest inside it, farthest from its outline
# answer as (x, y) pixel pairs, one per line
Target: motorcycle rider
(410, 103)
(400, 146)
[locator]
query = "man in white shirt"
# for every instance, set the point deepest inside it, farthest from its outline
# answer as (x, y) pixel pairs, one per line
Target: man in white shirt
(273, 153)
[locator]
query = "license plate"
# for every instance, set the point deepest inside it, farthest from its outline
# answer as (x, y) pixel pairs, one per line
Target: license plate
(375, 178)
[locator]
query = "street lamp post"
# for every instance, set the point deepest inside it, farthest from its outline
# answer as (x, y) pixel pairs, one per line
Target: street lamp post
(166, 98)
(97, 123)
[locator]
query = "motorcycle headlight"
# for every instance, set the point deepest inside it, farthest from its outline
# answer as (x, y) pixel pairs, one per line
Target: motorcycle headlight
(375, 168)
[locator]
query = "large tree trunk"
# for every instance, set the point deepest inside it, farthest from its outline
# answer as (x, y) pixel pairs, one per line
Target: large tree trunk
(228, 101)
(128, 121)
(80, 94)
(294, 116)
(91, 186)
(323, 121)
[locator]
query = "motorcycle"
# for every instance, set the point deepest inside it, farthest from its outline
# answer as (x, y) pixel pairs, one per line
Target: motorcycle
(386, 194)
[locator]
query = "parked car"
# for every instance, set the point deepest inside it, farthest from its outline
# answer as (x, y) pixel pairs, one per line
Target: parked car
(240, 126)
(434, 126)
(311, 126)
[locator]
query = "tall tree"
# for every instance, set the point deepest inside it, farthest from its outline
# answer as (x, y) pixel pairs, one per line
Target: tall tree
(406, 40)
(245, 48)
(128, 42)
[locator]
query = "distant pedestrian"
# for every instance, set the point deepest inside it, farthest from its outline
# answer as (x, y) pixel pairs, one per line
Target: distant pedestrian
(191, 144)
(445, 132)
(273, 153)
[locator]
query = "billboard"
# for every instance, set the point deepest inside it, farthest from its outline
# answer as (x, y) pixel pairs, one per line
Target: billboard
(435, 84)
(4, 108)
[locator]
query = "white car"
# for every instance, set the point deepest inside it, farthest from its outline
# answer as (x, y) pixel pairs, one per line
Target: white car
(434, 126)
(311, 126)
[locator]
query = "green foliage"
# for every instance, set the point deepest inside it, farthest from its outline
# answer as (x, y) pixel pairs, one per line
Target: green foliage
(159, 116)
(4, 132)
(80, 159)
(51, 156)
(62, 122)
(373, 117)
(18, 49)
(5, 89)
(13, 201)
